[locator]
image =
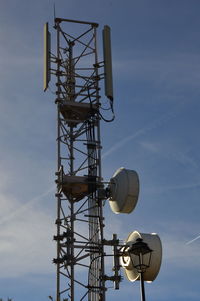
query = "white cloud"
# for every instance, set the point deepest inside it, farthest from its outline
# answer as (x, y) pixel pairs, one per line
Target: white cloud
(18, 209)
(142, 132)
(26, 238)
(149, 146)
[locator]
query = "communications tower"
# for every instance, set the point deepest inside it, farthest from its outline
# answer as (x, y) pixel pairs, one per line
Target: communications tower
(81, 191)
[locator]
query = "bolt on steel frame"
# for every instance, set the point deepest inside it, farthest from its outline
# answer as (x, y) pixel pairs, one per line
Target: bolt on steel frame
(79, 237)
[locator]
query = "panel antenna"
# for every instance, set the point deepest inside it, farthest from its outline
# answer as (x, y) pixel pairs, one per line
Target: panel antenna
(107, 62)
(47, 57)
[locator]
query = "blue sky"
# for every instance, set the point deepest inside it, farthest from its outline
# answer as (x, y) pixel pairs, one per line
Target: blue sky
(156, 68)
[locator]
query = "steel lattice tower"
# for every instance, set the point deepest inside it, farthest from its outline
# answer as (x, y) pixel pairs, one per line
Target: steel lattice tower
(79, 237)
(80, 187)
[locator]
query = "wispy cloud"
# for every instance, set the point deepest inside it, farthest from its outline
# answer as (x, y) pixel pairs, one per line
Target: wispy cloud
(176, 252)
(171, 151)
(193, 240)
(23, 208)
(26, 244)
(143, 131)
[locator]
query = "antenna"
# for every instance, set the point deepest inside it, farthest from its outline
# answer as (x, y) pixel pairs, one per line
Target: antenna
(47, 57)
(107, 62)
(124, 190)
(81, 191)
(129, 260)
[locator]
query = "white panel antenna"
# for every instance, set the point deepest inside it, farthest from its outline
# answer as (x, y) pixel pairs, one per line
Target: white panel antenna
(47, 57)
(107, 62)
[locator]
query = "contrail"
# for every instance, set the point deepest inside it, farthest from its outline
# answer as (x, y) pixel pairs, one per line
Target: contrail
(155, 124)
(191, 241)
(24, 207)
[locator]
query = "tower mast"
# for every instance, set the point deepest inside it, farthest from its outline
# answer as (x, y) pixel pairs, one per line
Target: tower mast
(79, 236)
(80, 188)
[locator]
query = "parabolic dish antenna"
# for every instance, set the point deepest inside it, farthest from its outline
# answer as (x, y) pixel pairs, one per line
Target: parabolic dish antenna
(124, 191)
(128, 261)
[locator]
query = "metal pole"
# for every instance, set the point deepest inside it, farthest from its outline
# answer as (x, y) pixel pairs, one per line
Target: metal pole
(71, 154)
(58, 168)
(102, 265)
(142, 291)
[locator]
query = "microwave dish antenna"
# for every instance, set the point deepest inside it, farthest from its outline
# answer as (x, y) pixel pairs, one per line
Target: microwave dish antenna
(124, 190)
(129, 260)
